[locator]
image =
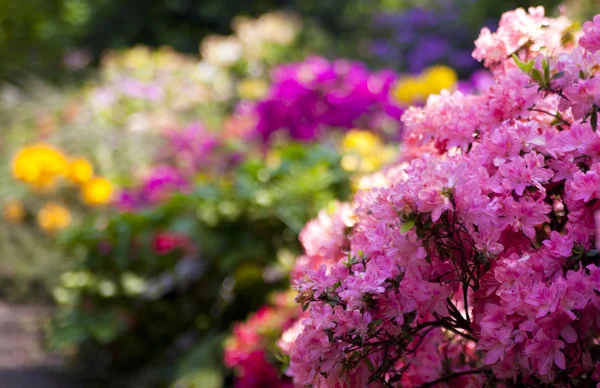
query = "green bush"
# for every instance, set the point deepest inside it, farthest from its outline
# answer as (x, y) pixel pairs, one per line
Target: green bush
(125, 303)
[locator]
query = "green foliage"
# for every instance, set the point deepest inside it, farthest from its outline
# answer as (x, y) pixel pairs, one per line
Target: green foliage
(34, 35)
(125, 300)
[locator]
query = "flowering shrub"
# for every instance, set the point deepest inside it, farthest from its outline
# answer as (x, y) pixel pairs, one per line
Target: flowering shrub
(477, 263)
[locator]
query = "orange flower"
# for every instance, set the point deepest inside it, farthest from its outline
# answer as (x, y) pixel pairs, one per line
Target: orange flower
(14, 211)
(53, 217)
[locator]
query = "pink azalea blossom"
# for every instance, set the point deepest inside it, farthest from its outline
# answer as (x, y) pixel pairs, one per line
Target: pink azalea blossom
(591, 38)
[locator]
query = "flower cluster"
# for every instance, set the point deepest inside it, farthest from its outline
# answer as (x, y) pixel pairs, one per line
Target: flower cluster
(53, 217)
(186, 152)
(317, 93)
(526, 33)
(43, 168)
(40, 166)
(252, 38)
(417, 38)
(477, 262)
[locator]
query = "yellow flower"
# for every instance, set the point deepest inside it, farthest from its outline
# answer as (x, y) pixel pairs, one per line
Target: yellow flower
(416, 89)
(14, 211)
(360, 141)
(252, 88)
(438, 78)
(363, 151)
(97, 191)
(410, 90)
(53, 217)
(80, 171)
(40, 165)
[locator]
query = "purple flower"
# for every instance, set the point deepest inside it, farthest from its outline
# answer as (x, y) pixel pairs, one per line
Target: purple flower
(163, 181)
(191, 148)
(145, 91)
(309, 96)
(417, 38)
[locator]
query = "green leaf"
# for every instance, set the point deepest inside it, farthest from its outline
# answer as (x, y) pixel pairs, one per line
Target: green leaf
(374, 324)
(525, 66)
(594, 120)
(537, 77)
(408, 225)
(369, 364)
(558, 75)
(546, 68)
(104, 327)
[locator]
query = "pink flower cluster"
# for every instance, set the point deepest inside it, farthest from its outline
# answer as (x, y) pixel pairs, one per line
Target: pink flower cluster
(477, 264)
(323, 238)
(591, 38)
(248, 351)
(187, 151)
(523, 32)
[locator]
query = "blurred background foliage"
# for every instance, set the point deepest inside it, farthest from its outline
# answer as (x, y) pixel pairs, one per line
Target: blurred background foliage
(35, 35)
(107, 113)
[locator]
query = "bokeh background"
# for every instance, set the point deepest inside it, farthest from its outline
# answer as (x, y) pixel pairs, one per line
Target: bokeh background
(158, 159)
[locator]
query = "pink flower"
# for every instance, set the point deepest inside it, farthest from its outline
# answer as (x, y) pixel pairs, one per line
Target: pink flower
(591, 35)
(559, 245)
(166, 242)
(545, 352)
(526, 214)
(522, 172)
(586, 186)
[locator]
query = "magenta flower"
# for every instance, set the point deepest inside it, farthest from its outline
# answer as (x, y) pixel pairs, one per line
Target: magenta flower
(308, 97)
(545, 352)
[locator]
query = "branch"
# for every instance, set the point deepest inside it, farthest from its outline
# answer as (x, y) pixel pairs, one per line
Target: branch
(455, 375)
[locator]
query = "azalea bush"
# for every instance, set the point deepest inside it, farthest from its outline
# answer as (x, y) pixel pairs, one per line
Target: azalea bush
(475, 263)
